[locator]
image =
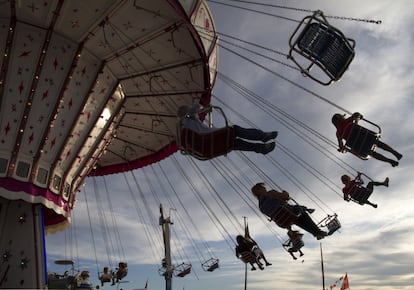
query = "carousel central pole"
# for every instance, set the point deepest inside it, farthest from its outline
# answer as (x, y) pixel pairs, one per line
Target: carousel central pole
(165, 224)
(22, 245)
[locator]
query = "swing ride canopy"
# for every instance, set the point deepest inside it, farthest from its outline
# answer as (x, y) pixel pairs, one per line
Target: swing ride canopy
(92, 88)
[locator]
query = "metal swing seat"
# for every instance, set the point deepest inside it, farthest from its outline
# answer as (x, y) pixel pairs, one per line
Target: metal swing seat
(361, 141)
(121, 272)
(205, 146)
(331, 222)
(57, 281)
(361, 194)
(182, 270)
(105, 276)
(284, 217)
(247, 257)
(294, 245)
(316, 42)
(210, 265)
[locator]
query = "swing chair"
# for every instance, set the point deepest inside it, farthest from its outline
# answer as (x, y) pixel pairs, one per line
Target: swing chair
(205, 146)
(361, 141)
(106, 276)
(121, 272)
(252, 255)
(82, 281)
(316, 42)
(284, 217)
(331, 222)
(361, 195)
(294, 244)
(210, 265)
(57, 281)
(182, 270)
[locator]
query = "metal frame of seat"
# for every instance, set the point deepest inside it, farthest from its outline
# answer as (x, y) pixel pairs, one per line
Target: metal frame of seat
(322, 45)
(203, 145)
(362, 141)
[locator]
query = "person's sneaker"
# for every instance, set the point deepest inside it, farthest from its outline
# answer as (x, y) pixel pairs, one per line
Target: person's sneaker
(321, 235)
(399, 156)
(375, 205)
(394, 163)
(386, 182)
(269, 136)
(310, 210)
(267, 148)
(268, 264)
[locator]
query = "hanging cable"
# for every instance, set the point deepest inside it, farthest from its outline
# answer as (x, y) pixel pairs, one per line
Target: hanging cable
(222, 229)
(114, 221)
(190, 219)
(90, 227)
(293, 9)
(255, 11)
(142, 219)
(181, 219)
(271, 109)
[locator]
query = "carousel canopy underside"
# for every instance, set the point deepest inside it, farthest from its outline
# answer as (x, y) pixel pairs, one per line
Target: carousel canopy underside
(92, 87)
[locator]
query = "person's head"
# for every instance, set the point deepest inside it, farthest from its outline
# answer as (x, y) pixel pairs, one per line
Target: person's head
(258, 189)
(182, 111)
(337, 119)
(85, 274)
(345, 179)
(240, 239)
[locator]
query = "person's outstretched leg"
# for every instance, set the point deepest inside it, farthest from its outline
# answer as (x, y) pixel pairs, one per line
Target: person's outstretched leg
(254, 134)
(385, 159)
(240, 144)
(305, 222)
(388, 148)
(371, 204)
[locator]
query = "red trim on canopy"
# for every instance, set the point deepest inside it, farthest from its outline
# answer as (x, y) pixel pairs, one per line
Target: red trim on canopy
(138, 163)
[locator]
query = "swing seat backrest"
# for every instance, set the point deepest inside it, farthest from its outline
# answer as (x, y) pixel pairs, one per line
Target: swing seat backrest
(331, 222)
(183, 270)
(210, 265)
(361, 141)
(361, 195)
(297, 244)
(284, 217)
(205, 146)
(248, 257)
(333, 225)
(60, 282)
(322, 45)
(213, 267)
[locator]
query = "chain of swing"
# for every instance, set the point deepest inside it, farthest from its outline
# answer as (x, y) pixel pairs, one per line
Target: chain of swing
(372, 21)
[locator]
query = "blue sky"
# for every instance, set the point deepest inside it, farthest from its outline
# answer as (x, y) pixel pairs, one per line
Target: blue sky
(373, 246)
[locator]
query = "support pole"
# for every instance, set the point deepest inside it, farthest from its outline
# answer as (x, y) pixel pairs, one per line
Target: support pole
(22, 245)
(165, 224)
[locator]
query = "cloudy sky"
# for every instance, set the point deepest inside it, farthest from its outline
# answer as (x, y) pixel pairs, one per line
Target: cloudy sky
(208, 200)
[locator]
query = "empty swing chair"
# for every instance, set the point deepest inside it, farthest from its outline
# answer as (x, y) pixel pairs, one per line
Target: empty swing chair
(331, 223)
(210, 265)
(316, 42)
(182, 270)
(205, 146)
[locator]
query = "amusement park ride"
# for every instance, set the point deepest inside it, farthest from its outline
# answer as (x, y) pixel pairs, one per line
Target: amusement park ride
(91, 88)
